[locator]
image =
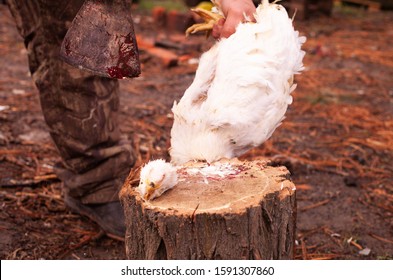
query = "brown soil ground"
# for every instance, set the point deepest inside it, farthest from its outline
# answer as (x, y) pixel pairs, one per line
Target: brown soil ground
(337, 141)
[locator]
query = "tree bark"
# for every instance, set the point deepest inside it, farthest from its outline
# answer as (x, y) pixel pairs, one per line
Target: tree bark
(230, 210)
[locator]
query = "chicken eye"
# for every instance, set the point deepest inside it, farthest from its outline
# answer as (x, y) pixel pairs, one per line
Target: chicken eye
(152, 185)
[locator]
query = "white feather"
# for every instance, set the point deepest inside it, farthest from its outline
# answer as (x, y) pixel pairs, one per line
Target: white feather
(241, 90)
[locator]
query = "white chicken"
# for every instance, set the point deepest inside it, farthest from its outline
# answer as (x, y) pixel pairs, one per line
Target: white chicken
(240, 94)
(156, 177)
(241, 90)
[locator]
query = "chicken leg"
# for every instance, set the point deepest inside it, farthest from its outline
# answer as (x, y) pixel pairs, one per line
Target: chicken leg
(210, 19)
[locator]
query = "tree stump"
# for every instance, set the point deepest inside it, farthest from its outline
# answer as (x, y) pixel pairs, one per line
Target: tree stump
(228, 210)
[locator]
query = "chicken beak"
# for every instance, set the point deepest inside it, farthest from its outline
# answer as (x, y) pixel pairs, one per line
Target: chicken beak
(150, 191)
(151, 187)
(148, 194)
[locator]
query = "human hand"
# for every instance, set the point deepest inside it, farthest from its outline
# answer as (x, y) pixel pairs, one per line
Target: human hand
(234, 11)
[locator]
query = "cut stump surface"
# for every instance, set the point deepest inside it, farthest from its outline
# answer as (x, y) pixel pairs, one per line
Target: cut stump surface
(227, 210)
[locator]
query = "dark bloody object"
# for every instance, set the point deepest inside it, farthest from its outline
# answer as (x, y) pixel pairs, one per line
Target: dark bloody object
(101, 39)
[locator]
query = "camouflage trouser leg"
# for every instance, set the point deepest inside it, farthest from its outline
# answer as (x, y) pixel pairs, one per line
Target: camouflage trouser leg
(80, 109)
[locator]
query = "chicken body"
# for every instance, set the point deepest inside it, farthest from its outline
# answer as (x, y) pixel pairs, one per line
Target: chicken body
(241, 90)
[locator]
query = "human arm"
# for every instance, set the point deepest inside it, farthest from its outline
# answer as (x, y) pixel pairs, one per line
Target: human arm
(234, 11)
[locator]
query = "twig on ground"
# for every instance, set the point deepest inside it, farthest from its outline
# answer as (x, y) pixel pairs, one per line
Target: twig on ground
(308, 207)
(383, 239)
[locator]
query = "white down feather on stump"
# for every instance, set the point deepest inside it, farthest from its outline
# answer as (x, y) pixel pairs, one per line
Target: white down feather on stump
(241, 91)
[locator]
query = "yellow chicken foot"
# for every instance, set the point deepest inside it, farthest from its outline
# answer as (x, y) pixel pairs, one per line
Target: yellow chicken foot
(210, 19)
